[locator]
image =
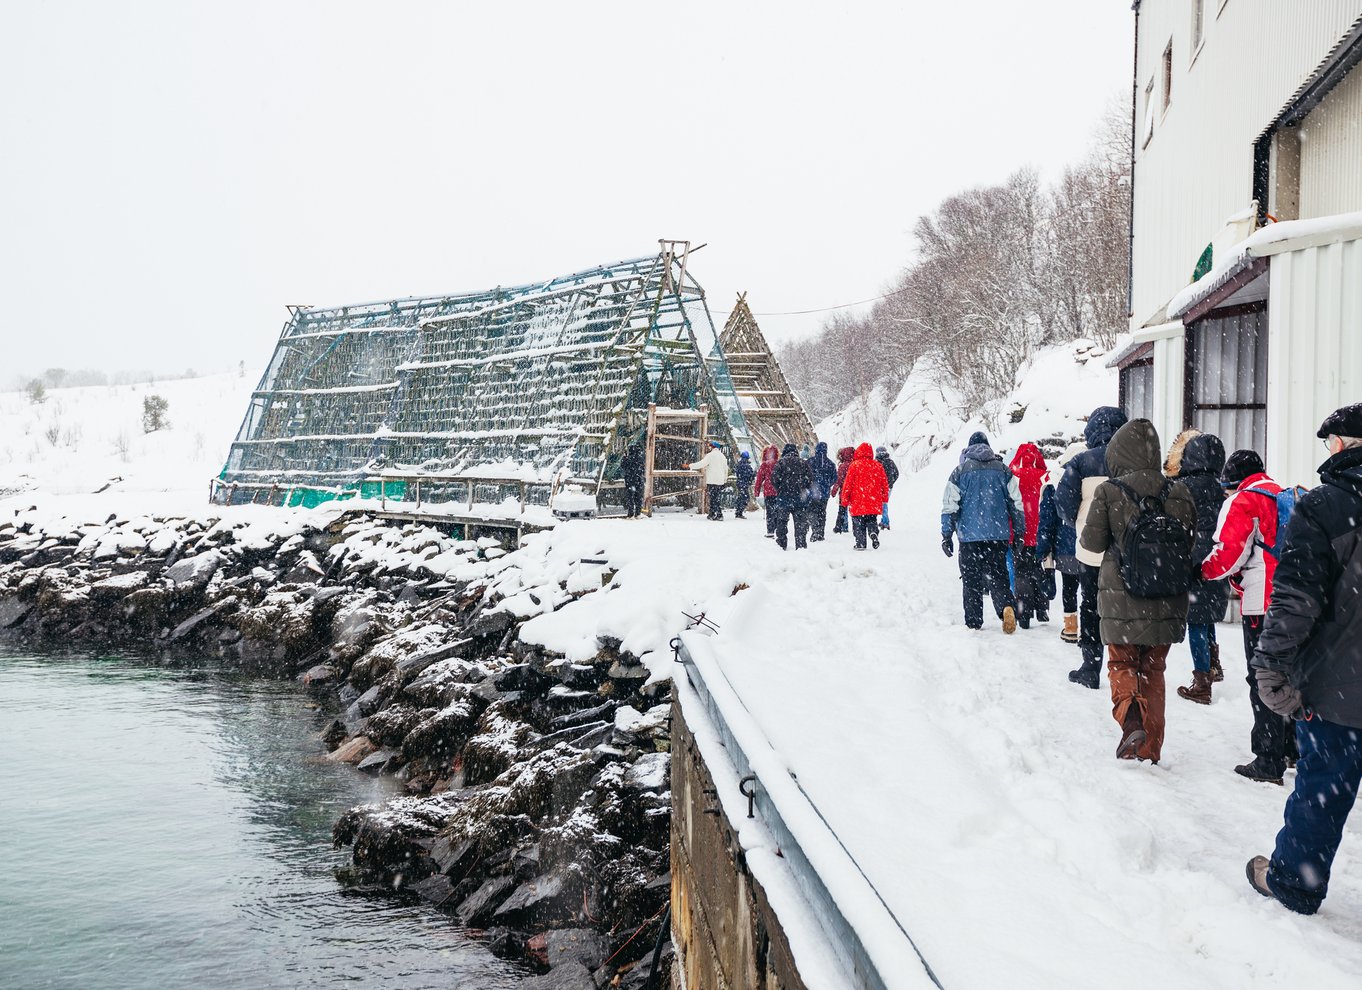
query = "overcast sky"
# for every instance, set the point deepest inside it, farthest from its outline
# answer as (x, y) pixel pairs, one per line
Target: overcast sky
(172, 174)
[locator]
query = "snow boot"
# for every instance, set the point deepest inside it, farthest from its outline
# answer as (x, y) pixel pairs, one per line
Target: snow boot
(1043, 615)
(1089, 674)
(1070, 631)
(1009, 620)
(1217, 671)
(1200, 688)
(1259, 771)
(1256, 870)
(1132, 734)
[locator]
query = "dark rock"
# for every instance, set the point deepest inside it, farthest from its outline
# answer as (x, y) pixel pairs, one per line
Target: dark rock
(448, 854)
(195, 571)
(417, 662)
(521, 677)
(582, 716)
(638, 977)
(627, 672)
(485, 900)
(582, 676)
(561, 946)
(189, 625)
(376, 761)
(435, 888)
(12, 612)
(592, 738)
(504, 943)
(347, 695)
(334, 734)
(489, 624)
(354, 721)
(445, 733)
(319, 675)
(569, 976)
(369, 701)
(322, 595)
(525, 862)
(537, 899)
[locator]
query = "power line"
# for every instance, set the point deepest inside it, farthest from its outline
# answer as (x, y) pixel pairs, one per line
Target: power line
(829, 309)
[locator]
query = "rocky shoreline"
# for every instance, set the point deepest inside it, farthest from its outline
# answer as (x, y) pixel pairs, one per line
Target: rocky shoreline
(537, 802)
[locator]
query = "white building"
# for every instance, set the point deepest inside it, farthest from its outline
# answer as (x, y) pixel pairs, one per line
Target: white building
(1248, 173)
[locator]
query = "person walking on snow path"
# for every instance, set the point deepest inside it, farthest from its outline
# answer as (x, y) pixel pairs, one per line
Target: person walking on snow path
(982, 502)
(864, 493)
(1057, 543)
(891, 473)
(792, 480)
(632, 469)
(743, 474)
(844, 458)
(1082, 475)
(767, 491)
(1028, 466)
(1246, 529)
(1308, 665)
(1196, 459)
(976, 437)
(824, 474)
(1137, 630)
(714, 470)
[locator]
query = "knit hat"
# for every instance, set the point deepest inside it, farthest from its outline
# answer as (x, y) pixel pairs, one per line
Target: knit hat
(1345, 422)
(881, 451)
(715, 443)
(1240, 465)
(977, 437)
(744, 455)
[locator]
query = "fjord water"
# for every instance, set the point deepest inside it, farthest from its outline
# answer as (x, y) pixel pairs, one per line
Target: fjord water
(165, 827)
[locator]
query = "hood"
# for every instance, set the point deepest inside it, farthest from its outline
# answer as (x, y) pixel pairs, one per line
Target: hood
(1172, 464)
(865, 453)
(881, 452)
(1203, 454)
(1102, 426)
(979, 452)
(1027, 458)
(789, 450)
(846, 454)
(977, 437)
(771, 453)
(1344, 470)
(1072, 451)
(821, 450)
(1135, 447)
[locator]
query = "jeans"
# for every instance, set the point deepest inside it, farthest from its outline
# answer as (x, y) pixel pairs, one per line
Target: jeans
(1199, 638)
(884, 515)
(983, 567)
(1272, 739)
(1327, 777)
(715, 498)
(863, 526)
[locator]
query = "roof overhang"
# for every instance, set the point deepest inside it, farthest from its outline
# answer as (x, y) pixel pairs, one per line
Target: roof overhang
(1129, 346)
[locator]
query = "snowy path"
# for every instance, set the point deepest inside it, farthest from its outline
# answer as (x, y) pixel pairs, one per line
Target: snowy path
(980, 792)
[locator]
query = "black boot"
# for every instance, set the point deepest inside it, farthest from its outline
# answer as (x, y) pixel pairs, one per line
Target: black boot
(1089, 674)
(1260, 771)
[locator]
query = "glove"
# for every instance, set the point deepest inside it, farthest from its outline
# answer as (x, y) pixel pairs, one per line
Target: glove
(947, 546)
(1274, 687)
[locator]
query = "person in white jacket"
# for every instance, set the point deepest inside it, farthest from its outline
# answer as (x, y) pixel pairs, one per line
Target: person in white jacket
(713, 468)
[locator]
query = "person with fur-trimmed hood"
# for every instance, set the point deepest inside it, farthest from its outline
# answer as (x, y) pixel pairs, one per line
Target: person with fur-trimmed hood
(1308, 666)
(1073, 497)
(1246, 529)
(762, 487)
(864, 493)
(982, 503)
(1196, 459)
(1028, 465)
(845, 455)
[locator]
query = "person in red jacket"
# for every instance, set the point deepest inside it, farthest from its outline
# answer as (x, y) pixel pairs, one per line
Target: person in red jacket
(762, 486)
(1028, 464)
(864, 492)
(1247, 527)
(844, 457)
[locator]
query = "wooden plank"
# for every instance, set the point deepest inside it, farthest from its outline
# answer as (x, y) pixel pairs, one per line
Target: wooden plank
(650, 439)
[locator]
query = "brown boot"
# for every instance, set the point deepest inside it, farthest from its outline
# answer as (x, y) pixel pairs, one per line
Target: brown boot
(1132, 734)
(1200, 689)
(1070, 631)
(1217, 671)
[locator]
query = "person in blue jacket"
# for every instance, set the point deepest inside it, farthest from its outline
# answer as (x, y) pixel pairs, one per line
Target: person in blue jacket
(824, 481)
(743, 473)
(1057, 546)
(982, 503)
(1082, 477)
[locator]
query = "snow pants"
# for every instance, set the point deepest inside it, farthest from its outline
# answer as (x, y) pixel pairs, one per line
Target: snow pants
(1136, 676)
(633, 501)
(714, 495)
(1069, 589)
(1033, 598)
(1272, 738)
(983, 567)
(843, 520)
(1089, 624)
(818, 519)
(1327, 778)
(863, 526)
(783, 516)
(743, 500)
(769, 506)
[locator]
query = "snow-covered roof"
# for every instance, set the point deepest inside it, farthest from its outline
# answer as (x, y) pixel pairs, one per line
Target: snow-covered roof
(1277, 238)
(1128, 343)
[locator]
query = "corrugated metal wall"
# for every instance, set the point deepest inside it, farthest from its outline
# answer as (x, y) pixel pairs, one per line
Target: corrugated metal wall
(1331, 152)
(1198, 167)
(1168, 387)
(1314, 352)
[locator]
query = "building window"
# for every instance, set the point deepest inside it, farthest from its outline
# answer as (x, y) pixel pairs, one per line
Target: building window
(1137, 389)
(1168, 75)
(1198, 26)
(1148, 112)
(1226, 390)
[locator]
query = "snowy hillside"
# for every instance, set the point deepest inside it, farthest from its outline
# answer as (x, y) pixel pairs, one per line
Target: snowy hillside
(1055, 392)
(80, 439)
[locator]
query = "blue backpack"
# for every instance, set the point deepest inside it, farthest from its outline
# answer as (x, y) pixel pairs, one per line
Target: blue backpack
(1286, 501)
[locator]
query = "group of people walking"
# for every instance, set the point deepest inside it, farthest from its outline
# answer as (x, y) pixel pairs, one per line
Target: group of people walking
(796, 487)
(1147, 549)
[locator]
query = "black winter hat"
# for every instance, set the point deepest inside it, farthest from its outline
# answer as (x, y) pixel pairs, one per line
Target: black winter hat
(1240, 465)
(977, 437)
(1345, 422)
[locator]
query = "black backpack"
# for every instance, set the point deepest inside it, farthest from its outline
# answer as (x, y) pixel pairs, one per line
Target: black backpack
(1155, 556)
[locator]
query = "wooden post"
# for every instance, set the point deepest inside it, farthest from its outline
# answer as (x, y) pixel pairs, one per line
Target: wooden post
(704, 443)
(383, 494)
(648, 459)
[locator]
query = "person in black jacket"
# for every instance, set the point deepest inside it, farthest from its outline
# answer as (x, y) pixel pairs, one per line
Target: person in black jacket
(891, 471)
(824, 474)
(743, 473)
(1308, 666)
(792, 480)
(1196, 460)
(632, 470)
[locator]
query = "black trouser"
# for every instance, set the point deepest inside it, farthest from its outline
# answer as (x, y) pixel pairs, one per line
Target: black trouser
(783, 515)
(1089, 625)
(862, 526)
(769, 505)
(740, 506)
(1032, 596)
(716, 505)
(818, 518)
(842, 524)
(633, 501)
(1274, 737)
(1069, 589)
(983, 567)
